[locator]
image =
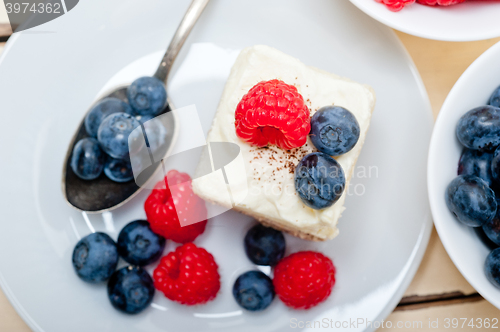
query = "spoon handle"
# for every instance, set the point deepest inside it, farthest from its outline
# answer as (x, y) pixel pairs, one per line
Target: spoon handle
(192, 14)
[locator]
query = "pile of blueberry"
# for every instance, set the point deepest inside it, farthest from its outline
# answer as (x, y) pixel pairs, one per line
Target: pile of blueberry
(319, 179)
(474, 195)
(131, 288)
(265, 246)
(109, 124)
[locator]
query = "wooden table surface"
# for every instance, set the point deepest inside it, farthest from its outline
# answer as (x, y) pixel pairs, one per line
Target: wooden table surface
(438, 290)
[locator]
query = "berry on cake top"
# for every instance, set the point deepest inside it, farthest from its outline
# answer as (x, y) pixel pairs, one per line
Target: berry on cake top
(275, 113)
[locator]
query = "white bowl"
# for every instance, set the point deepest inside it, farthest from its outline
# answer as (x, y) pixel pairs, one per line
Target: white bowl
(474, 20)
(461, 242)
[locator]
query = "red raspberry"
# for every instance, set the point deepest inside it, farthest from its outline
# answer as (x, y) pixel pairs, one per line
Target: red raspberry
(440, 2)
(273, 112)
(396, 5)
(164, 208)
(304, 279)
(188, 275)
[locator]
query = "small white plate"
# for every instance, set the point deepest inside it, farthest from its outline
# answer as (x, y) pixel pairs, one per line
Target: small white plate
(473, 20)
(465, 248)
(383, 232)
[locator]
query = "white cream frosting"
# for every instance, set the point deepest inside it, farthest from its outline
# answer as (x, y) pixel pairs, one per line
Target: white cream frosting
(269, 171)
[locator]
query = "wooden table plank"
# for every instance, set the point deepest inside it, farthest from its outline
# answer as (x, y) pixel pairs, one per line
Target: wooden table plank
(441, 63)
(9, 319)
(437, 274)
(481, 309)
(5, 29)
(5, 32)
(3, 13)
(438, 290)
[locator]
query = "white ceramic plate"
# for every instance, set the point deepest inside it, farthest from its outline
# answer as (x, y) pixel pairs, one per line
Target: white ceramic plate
(474, 20)
(462, 244)
(383, 232)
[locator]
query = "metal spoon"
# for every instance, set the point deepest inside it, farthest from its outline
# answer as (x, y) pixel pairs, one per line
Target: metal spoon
(102, 194)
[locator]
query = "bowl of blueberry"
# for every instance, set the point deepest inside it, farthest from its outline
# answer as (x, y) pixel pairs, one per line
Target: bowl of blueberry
(464, 175)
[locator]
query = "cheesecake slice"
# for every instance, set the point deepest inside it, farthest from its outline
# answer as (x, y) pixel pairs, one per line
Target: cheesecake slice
(261, 180)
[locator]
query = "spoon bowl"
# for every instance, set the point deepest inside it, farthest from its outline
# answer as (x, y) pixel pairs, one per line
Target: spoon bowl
(103, 194)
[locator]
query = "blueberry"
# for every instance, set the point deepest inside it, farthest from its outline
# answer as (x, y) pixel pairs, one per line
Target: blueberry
(484, 238)
(101, 110)
(131, 289)
(479, 129)
(478, 163)
(147, 96)
(253, 290)
(87, 159)
(264, 245)
(495, 98)
(95, 257)
(492, 267)
(492, 228)
(471, 200)
(118, 170)
(138, 245)
(113, 134)
(334, 130)
(495, 168)
(319, 180)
